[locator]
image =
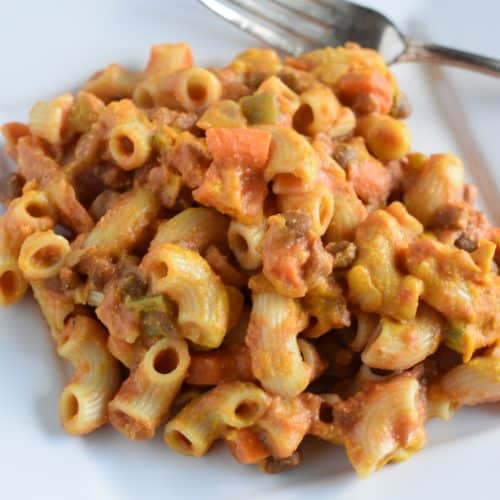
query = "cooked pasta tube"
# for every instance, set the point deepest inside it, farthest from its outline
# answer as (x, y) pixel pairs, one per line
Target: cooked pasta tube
(348, 213)
(56, 307)
(326, 305)
(130, 144)
(195, 228)
(135, 211)
(365, 327)
(169, 57)
(113, 82)
(472, 383)
(222, 114)
(49, 119)
(13, 285)
(318, 203)
(245, 241)
(84, 112)
(192, 89)
(144, 399)
(84, 401)
(186, 278)
(127, 132)
(399, 346)
(42, 255)
(293, 164)
(207, 417)
(440, 182)
(344, 125)
(318, 110)
(322, 420)
(164, 59)
(275, 322)
(385, 137)
(273, 103)
(366, 376)
(382, 423)
(375, 282)
(264, 62)
(31, 212)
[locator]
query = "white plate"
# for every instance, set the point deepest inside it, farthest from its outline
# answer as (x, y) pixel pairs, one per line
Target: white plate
(51, 46)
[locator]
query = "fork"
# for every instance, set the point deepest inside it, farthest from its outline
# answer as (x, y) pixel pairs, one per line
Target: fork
(298, 26)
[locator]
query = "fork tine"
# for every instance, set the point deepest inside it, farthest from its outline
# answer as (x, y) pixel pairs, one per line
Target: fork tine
(337, 6)
(276, 38)
(284, 19)
(314, 12)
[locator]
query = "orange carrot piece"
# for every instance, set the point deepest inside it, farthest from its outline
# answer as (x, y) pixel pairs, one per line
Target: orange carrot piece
(353, 86)
(221, 365)
(239, 146)
(246, 446)
(371, 181)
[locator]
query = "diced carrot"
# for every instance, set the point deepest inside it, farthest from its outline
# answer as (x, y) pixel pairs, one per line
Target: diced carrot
(371, 181)
(246, 446)
(352, 86)
(220, 366)
(239, 146)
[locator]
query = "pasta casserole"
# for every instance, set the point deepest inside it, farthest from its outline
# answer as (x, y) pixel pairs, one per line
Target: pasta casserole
(252, 254)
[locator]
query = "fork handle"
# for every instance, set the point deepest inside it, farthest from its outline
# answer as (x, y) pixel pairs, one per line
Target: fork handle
(432, 53)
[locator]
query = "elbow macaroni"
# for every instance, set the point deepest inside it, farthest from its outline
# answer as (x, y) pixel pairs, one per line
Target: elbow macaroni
(144, 399)
(382, 423)
(83, 402)
(201, 298)
(293, 165)
(375, 282)
(195, 228)
(277, 362)
(49, 119)
(208, 417)
(42, 255)
(400, 346)
(245, 241)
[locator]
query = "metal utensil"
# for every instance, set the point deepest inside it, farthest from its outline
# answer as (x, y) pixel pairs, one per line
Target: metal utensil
(298, 26)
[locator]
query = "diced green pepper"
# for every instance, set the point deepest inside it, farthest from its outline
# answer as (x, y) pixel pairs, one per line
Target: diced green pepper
(146, 304)
(259, 109)
(157, 314)
(158, 324)
(133, 287)
(454, 337)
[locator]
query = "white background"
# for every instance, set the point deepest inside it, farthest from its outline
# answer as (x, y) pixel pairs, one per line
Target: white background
(48, 47)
